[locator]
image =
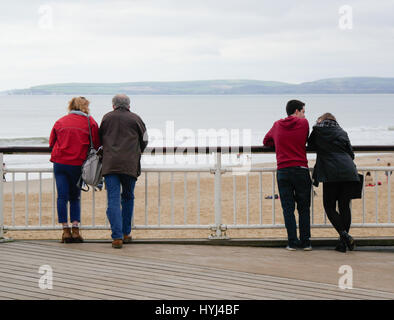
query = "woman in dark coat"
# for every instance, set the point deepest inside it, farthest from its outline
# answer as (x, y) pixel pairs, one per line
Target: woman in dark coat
(336, 169)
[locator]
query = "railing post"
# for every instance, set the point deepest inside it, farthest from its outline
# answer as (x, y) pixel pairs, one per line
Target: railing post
(1, 198)
(219, 228)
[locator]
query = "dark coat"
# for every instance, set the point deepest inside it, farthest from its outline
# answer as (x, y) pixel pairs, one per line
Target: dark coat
(334, 155)
(124, 139)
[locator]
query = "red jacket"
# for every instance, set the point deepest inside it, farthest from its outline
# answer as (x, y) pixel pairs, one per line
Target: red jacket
(289, 137)
(69, 139)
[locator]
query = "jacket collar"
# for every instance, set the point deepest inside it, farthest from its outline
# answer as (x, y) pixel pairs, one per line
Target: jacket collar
(79, 113)
(327, 123)
(122, 108)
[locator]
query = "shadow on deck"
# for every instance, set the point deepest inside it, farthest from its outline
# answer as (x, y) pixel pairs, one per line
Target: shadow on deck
(143, 270)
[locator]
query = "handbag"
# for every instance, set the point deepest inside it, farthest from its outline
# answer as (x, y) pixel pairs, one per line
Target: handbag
(91, 170)
(356, 188)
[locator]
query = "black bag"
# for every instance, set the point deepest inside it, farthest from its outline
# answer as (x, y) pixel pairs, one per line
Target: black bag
(355, 188)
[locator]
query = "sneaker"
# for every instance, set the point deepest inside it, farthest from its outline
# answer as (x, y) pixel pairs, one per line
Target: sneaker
(291, 248)
(305, 245)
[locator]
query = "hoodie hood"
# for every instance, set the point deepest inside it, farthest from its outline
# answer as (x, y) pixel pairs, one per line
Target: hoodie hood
(330, 134)
(291, 122)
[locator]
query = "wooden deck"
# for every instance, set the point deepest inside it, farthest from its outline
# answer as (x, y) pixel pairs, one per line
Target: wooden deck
(96, 271)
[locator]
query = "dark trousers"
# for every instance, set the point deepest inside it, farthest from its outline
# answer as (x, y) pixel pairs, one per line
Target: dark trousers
(294, 185)
(334, 192)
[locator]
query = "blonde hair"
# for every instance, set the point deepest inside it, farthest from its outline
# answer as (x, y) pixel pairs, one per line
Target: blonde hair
(80, 104)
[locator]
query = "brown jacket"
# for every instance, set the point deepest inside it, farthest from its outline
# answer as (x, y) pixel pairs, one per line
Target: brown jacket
(124, 139)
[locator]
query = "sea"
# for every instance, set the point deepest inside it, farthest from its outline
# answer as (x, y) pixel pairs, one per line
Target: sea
(196, 120)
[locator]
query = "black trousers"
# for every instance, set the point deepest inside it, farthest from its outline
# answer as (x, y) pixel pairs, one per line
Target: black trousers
(334, 192)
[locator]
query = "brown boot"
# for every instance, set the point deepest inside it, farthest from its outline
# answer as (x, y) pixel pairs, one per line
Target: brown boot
(76, 236)
(117, 243)
(127, 239)
(66, 237)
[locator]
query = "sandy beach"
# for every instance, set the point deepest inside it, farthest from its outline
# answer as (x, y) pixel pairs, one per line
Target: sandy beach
(206, 207)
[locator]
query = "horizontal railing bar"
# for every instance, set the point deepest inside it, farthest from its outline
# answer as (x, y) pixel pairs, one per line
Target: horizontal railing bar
(205, 227)
(202, 150)
(175, 169)
(103, 227)
(276, 226)
(259, 169)
(50, 170)
(224, 169)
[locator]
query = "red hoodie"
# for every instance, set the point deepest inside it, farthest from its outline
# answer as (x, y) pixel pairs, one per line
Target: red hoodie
(70, 139)
(289, 137)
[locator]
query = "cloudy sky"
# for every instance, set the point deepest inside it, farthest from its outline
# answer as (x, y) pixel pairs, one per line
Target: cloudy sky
(45, 42)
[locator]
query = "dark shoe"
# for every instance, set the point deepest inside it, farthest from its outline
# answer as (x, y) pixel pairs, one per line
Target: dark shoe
(76, 236)
(66, 236)
(117, 243)
(347, 238)
(127, 239)
(341, 246)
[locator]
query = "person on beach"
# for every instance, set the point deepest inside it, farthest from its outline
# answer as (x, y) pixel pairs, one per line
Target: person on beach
(70, 142)
(289, 136)
(387, 173)
(124, 139)
(336, 169)
(369, 180)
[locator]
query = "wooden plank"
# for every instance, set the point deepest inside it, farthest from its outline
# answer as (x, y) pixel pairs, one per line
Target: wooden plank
(60, 286)
(36, 292)
(208, 269)
(126, 291)
(261, 293)
(11, 295)
(336, 294)
(122, 279)
(250, 277)
(217, 292)
(220, 292)
(181, 290)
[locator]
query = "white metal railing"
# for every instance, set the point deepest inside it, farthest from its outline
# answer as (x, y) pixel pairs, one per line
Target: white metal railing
(216, 224)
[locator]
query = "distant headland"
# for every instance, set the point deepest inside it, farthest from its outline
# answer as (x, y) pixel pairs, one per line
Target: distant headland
(348, 85)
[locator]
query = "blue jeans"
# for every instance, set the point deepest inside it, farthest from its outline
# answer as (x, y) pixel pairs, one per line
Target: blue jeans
(120, 217)
(294, 185)
(67, 191)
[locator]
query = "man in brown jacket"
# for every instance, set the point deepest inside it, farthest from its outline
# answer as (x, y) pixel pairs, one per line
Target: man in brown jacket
(124, 138)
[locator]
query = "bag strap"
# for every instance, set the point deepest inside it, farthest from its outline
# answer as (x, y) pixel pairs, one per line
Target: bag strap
(90, 135)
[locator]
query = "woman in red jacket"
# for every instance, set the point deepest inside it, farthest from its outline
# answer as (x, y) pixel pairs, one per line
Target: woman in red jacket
(70, 142)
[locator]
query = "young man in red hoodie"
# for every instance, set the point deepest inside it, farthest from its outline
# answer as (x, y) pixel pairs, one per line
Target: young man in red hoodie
(289, 137)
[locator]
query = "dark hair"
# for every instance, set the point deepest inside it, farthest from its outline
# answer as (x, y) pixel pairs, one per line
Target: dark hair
(368, 173)
(326, 116)
(294, 105)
